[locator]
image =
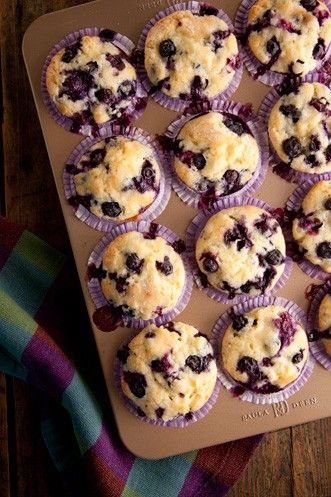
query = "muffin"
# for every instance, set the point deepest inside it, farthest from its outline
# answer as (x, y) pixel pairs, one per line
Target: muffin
(241, 250)
(211, 153)
(116, 179)
(265, 349)
(289, 37)
(311, 228)
(168, 371)
(324, 322)
(299, 128)
(189, 56)
(143, 276)
(91, 80)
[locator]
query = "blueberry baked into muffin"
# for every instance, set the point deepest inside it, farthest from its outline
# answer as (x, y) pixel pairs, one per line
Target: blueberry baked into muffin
(168, 371)
(265, 349)
(289, 37)
(142, 276)
(211, 153)
(241, 250)
(299, 128)
(116, 179)
(191, 57)
(311, 228)
(324, 322)
(91, 81)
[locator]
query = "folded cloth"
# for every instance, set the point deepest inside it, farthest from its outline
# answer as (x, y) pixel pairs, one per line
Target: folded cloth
(45, 341)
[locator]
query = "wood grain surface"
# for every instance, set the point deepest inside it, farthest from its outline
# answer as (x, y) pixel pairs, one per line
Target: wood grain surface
(293, 462)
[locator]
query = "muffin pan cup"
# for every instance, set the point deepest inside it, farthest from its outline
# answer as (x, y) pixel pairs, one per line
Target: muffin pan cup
(317, 347)
(179, 104)
(238, 389)
(178, 422)
(137, 103)
(196, 199)
(279, 167)
(95, 258)
(193, 233)
(253, 65)
(162, 197)
(293, 205)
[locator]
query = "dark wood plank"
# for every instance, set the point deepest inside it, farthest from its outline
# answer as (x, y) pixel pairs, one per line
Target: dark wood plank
(311, 450)
(30, 195)
(30, 198)
(269, 472)
(4, 451)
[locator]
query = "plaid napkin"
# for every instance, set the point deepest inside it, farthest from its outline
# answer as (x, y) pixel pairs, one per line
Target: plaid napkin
(41, 326)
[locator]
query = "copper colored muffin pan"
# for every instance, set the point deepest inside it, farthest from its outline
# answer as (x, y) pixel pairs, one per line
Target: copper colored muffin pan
(230, 418)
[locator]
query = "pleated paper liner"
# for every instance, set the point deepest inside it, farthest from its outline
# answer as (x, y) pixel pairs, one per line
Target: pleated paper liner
(279, 167)
(238, 389)
(244, 112)
(162, 197)
(180, 421)
(292, 207)
(103, 317)
(254, 66)
(315, 343)
(194, 230)
(179, 104)
(137, 103)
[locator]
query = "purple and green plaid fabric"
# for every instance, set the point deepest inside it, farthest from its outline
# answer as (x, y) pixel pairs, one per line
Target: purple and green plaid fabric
(45, 341)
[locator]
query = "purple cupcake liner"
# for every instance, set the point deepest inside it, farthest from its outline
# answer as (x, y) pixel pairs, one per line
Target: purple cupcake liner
(178, 422)
(292, 206)
(317, 347)
(133, 111)
(193, 232)
(172, 103)
(253, 65)
(237, 388)
(196, 199)
(152, 211)
(279, 167)
(95, 259)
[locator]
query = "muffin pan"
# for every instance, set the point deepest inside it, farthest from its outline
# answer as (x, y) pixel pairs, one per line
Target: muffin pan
(230, 418)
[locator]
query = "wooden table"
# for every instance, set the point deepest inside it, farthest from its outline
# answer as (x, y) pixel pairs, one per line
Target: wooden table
(292, 462)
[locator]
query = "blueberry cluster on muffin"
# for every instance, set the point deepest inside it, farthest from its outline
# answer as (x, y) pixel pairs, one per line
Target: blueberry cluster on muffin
(299, 128)
(264, 349)
(311, 227)
(241, 250)
(189, 56)
(324, 322)
(142, 276)
(211, 152)
(116, 179)
(91, 80)
(289, 37)
(168, 371)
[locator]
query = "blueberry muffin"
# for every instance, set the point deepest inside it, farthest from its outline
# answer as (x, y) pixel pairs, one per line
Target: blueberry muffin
(311, 227)
(116, 179)
(211, 153)
(241, 250)
(189, 56)
(324, 322)
(265, 350)
(168, 371)
(300, 128)
(143, 276)
(289, 37)
(91, 80)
